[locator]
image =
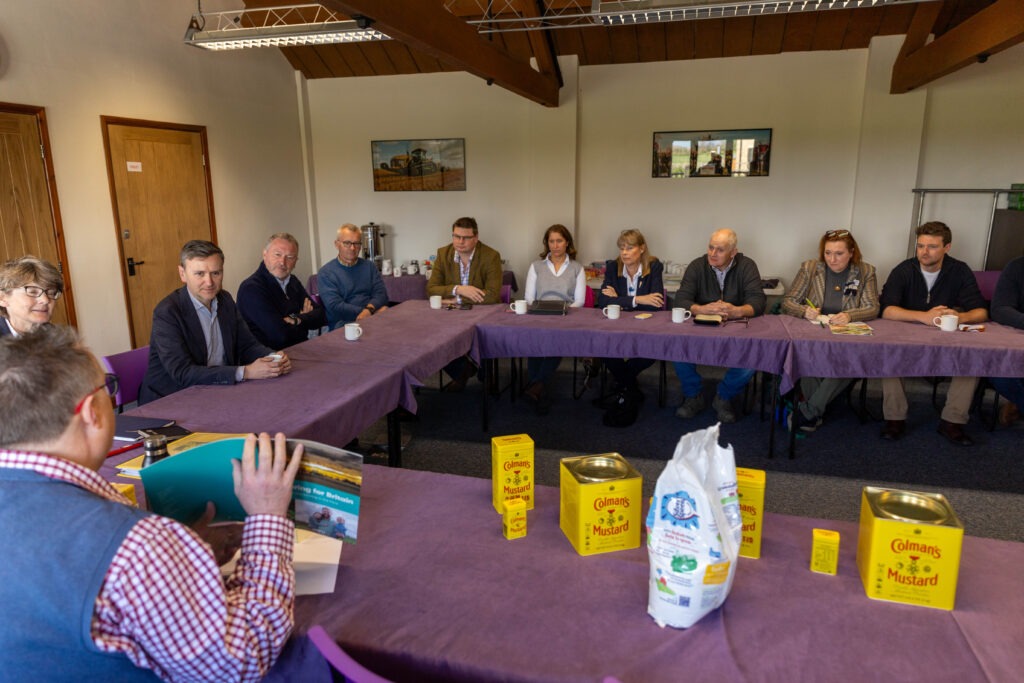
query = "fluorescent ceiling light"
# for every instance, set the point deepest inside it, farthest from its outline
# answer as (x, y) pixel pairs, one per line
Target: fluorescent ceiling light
(289, 26)
(619, 12)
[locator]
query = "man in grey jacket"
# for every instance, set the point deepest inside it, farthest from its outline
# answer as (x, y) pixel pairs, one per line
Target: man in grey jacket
(721, 283)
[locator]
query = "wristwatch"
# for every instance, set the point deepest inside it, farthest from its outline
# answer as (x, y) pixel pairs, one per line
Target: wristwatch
(294, 318)
(371, 308)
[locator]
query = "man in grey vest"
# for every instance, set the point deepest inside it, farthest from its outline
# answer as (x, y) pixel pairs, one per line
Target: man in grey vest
(112, 592)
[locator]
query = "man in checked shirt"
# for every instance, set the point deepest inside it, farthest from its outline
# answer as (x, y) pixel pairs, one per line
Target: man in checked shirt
(113, 593)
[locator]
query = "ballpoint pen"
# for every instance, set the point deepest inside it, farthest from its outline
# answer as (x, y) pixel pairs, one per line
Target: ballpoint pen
(124, 449)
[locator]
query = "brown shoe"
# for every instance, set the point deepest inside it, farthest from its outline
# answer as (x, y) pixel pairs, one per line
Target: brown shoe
(954, 433)
(894, 430)
(1008, 414)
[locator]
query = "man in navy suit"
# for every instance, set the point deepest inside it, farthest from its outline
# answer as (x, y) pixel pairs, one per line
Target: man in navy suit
(198, 335)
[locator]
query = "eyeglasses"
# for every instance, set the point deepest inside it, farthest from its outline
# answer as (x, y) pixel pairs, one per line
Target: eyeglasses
(836, 234)
(35, 292)
(463, 238)
(111, 385)
(350, 245)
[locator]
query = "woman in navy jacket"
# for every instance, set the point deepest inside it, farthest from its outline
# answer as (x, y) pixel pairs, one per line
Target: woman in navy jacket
(632, 281)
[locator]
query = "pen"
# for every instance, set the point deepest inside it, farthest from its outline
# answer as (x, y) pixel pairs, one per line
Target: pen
(124, 449)
(811, 304)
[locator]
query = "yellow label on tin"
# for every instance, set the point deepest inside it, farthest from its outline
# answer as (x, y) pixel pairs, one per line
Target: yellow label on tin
(825, 551)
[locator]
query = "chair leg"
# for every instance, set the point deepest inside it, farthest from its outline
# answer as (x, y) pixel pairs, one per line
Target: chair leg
(662, 384)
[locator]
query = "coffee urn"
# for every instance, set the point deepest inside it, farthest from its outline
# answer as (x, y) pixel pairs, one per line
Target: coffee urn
(373, 243)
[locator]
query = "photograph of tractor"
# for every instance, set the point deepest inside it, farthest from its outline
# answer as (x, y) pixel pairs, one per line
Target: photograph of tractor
(416, 162)
(419, 165)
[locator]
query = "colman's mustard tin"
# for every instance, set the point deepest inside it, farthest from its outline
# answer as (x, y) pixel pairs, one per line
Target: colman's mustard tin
(908, 548)
(600, 503)
(750, 486)
(511, 470)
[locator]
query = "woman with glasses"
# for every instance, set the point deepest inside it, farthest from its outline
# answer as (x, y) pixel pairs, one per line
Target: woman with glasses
(632, 281)
(29, 289)
(837, 287)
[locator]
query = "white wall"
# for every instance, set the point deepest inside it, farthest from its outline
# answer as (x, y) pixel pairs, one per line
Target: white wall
(520, 161)
(84, 59)
(845, 152)
(974, 138)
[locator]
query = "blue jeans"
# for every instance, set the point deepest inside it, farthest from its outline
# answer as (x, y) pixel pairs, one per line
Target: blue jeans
(541, 369)
(1011, 388)
(732, 384)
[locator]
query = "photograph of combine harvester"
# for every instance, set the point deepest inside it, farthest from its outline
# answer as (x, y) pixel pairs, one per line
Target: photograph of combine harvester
(418, 165)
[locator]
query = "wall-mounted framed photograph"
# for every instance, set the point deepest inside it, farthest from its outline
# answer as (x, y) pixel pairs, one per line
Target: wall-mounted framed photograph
(712, 153)
(419, 165)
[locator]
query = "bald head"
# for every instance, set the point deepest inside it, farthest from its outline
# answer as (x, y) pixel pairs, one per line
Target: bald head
(722, 247)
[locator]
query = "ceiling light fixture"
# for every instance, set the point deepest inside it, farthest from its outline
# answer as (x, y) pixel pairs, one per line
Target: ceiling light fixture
(621, 12)
(288, 26)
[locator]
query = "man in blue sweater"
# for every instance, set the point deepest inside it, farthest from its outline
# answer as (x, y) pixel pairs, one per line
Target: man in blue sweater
(350, 287)
(919, 289)
(275, 305)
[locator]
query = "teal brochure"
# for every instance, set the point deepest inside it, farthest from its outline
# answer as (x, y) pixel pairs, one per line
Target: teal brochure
(325, 496)
(179, 486)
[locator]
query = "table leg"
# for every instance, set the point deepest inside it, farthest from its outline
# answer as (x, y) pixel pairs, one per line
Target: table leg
(483, 399)
(394, 439)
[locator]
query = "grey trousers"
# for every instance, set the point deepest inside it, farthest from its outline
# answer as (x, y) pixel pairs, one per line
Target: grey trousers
(818, 393)
(958, 399)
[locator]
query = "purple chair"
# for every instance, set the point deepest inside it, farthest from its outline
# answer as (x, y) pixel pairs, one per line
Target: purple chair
(987, 280)
(340, 660)
(313, 289)
(130, 367)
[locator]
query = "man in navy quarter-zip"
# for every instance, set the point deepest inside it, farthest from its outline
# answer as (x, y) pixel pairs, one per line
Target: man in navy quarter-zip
(931, 284)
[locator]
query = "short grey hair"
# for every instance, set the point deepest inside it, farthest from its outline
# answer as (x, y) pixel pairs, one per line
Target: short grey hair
(43, 375)
(286, 236)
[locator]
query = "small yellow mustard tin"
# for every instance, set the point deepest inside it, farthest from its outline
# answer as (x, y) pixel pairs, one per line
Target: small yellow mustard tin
(825, 551)
(511, 470)
(513, 518)
(750, 487)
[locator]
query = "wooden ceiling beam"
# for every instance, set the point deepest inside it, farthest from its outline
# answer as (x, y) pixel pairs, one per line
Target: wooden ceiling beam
(541, 42)
(427, 26)
(993, 29)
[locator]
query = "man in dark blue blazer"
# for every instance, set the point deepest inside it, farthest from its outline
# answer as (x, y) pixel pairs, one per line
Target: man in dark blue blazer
(274, 304)
(198, 335)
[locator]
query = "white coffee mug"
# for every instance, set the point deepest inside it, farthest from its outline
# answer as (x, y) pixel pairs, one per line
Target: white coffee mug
(946, 323)
(386, 268)
(680, 315)
(435, 301)
(353, 331)
(274, 357)
(611, 311)
(519, 306)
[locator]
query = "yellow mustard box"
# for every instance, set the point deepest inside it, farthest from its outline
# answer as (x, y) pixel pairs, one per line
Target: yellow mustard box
(824, 551)
(600, 503)
(511, 470)
(750, 486)
(908, 548)
(513, 519)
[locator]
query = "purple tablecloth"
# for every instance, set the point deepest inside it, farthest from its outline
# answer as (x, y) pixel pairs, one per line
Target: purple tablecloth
(433, 591)
(900, 349)
(411, 336)
(324, 401)
(405, 287)
(761, 344)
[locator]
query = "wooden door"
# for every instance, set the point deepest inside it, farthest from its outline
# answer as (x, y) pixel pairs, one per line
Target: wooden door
(29, 212)
(161, 192)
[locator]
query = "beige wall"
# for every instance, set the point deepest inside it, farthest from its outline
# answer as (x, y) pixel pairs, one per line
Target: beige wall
(845, 152)
(126, 59)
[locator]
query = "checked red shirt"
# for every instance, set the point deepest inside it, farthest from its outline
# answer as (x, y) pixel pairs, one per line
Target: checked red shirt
(163, 602)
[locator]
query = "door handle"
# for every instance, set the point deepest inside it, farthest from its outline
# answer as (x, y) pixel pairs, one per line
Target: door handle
(131, 265)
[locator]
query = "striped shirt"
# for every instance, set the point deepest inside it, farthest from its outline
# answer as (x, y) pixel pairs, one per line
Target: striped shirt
(163, 602)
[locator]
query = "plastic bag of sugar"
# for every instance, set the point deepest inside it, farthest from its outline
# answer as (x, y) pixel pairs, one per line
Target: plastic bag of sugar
(693, 531)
